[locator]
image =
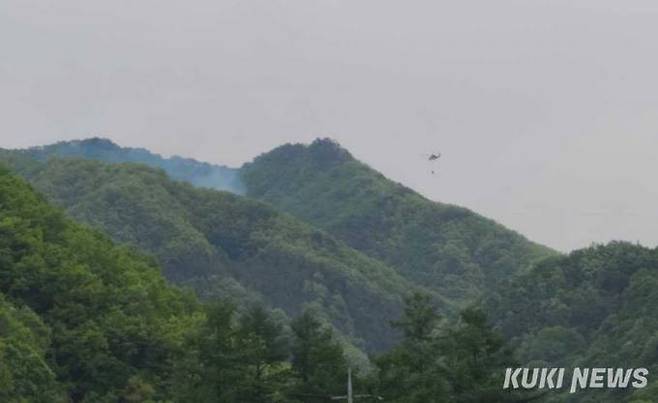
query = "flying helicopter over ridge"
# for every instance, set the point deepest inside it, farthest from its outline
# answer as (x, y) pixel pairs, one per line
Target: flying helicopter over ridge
(433, 158)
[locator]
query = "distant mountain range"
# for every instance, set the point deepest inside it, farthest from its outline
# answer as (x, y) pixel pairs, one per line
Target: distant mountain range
(445, 247)
(366, 241)
(186, 169)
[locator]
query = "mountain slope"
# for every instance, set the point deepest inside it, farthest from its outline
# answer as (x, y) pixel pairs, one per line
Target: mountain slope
(593, 307)
(81, 318)
(204, 237)
(24, 343)
(445, 247)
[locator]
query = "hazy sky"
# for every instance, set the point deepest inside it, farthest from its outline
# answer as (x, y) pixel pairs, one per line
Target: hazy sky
(546, 112)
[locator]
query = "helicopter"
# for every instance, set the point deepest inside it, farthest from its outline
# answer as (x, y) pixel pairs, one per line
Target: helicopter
(432, 157)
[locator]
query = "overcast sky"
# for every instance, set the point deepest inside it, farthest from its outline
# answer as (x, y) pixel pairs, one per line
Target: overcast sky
(546, 112)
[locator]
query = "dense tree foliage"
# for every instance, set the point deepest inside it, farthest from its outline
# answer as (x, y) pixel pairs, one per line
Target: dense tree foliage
(448, 248)
(234, 359)
(210, 240)
(82, 319)
(24, 369)
(95, 317)
(317, 360)
(445, 362)
(90, 321)
(595, 307)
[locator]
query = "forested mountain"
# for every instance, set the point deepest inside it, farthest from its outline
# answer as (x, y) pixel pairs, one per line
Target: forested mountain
(445, 247)
(346, 248)
(198, 173)
(592, 308)
(84, 320)
(81, 318)
(220, 243)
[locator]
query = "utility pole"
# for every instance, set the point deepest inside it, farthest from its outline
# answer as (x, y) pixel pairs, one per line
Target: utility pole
(349, 385)
(350, 396)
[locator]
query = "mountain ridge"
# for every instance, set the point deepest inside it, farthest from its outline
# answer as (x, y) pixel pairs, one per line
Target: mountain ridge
(199, 173)
(451, 249)
(447, 247)
(207, 239)
(592, 307)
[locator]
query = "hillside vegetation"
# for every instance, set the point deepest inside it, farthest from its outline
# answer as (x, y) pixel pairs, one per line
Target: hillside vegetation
(81, 318)
(457, 253)
(329, 240)
(448, 248)
(84, 320)
(220, 243)
(592, 308)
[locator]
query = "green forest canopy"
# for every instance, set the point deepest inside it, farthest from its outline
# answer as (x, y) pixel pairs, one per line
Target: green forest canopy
(218, 243)
(594, 307)
(84, 320)
(447, 248)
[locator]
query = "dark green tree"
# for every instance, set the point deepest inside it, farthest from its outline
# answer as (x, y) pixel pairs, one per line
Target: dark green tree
(264, 354)
(451, 361)
(111, 320)
(475, 357)
(317, 360)
(413, 371)
(214, 369)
